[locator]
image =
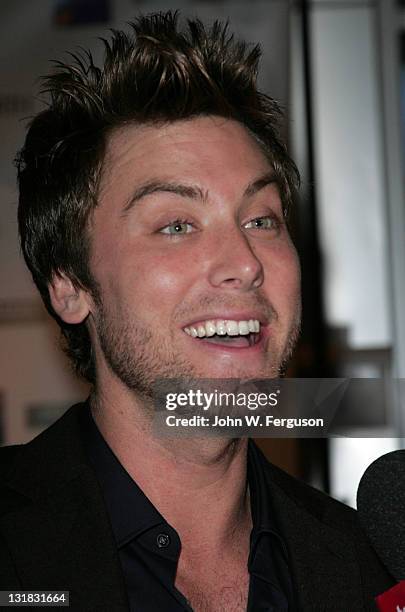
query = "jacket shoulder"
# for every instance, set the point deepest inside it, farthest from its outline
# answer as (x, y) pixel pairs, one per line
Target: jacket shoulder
(317, 502)
(309, 517)
(8, 454)
(31, 471)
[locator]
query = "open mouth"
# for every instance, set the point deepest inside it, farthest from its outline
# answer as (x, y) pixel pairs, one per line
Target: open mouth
(232, 334)
(232, 341)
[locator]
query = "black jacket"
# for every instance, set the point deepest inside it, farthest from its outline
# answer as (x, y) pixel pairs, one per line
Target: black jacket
(55, 533)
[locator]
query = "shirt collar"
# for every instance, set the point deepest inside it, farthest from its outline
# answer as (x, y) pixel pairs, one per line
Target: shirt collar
(260, 495)
(268, 555)
(130, 511)
(121, 492)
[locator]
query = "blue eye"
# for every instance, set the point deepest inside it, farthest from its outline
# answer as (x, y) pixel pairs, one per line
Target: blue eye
(177, 228)
(265, 223)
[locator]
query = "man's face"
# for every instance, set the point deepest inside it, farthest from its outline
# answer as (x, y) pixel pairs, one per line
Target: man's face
(189, 238)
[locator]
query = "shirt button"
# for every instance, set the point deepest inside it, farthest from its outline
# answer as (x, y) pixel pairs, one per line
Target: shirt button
(163, 540)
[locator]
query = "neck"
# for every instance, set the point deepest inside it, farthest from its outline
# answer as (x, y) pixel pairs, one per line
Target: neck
(191, 481)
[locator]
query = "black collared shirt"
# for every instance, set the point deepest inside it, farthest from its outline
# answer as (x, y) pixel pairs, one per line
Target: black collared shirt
(149, 548)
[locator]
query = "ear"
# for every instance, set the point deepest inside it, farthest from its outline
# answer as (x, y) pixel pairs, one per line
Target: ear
(71, 304)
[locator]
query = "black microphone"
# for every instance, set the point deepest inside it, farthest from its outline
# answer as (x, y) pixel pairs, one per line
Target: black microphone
(381, 509)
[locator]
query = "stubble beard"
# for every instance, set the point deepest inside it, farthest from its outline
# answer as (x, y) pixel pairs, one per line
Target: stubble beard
(139, 357)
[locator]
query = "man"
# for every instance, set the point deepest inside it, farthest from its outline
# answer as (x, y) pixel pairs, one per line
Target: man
(153, 194)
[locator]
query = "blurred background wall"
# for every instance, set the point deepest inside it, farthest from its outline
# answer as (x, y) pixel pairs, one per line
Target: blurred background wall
(338, 69)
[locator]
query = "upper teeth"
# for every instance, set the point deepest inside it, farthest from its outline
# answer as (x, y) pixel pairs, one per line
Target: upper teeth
(222, 328)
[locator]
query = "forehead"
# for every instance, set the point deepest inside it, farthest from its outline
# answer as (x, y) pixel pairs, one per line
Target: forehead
(204, 149)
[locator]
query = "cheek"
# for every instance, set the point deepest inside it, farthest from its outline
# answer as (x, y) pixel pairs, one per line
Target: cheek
(157, 281)
(166, 275)
(283, 277)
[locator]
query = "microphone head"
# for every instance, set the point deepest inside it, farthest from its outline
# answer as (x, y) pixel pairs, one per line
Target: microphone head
(381, 508)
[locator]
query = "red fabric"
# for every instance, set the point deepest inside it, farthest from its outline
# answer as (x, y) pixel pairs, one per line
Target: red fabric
(392, 600)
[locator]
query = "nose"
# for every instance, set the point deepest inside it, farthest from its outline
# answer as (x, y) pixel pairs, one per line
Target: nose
(234, 264)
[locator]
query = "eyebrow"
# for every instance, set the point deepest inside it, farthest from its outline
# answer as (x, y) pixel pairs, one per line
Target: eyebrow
(192, 192)
(260, 183)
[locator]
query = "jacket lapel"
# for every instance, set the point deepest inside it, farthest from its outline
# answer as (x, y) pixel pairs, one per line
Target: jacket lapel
(332, 565)
(322, 561)
(58, 531)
